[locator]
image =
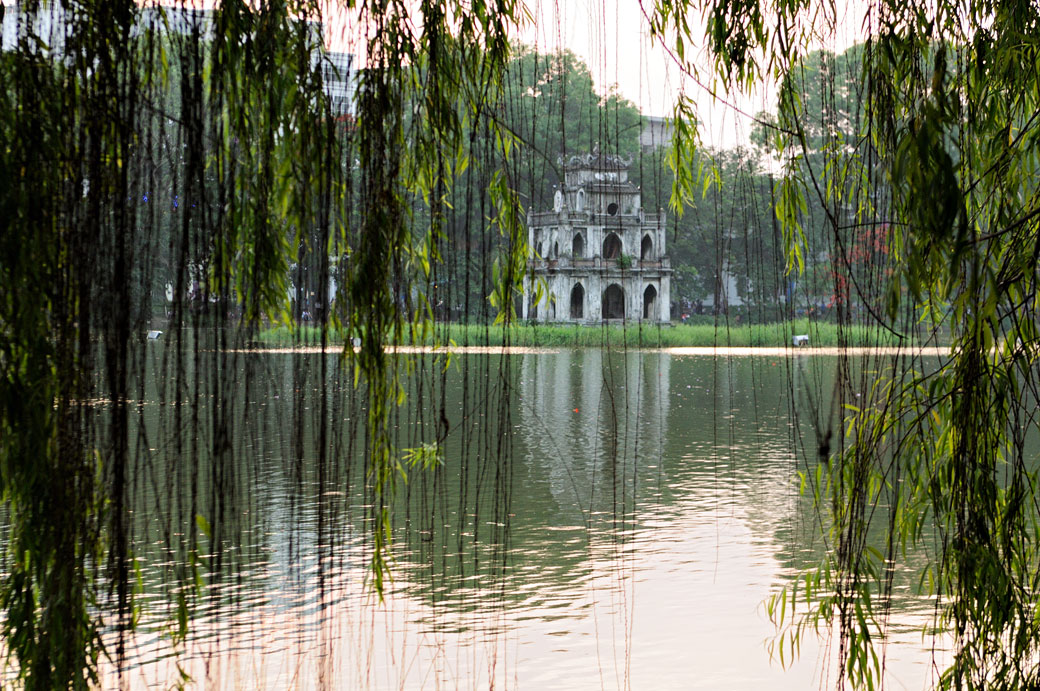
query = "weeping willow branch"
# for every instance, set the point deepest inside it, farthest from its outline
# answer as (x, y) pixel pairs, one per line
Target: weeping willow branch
(929, 138)
(152, 152)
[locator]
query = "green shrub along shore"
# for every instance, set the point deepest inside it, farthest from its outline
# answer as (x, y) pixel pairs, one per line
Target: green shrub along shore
(777, 334)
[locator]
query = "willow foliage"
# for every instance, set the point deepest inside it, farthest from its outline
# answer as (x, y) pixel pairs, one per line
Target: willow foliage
(150, 152)
(935, 154)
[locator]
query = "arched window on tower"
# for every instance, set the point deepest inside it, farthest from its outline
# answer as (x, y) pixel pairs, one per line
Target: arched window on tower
(577, 302)
(650, 303)
(578, 246)
(646, 249)
(614, 302)
(611, 246)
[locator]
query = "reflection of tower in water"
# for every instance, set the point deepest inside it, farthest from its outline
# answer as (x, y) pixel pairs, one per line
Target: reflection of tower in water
(591, 420)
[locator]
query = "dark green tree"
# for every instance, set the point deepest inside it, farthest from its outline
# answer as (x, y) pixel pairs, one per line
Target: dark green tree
(552, 105)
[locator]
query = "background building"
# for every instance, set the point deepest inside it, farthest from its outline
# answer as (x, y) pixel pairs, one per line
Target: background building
(340, 79)
(656, 133)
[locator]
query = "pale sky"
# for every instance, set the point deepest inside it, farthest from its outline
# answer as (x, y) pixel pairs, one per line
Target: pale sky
(613, 38)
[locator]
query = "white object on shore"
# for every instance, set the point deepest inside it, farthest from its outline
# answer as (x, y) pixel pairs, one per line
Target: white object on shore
(801, 340)
(154, 335)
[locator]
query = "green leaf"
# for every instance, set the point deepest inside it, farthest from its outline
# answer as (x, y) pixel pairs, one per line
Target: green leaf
(203, 525)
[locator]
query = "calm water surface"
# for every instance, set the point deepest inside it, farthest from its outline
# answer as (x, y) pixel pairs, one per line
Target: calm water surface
(618, 525)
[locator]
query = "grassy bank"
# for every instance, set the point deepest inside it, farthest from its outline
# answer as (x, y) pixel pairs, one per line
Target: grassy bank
(680, 335)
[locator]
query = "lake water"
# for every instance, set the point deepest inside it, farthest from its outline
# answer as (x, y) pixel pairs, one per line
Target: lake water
(602, 520)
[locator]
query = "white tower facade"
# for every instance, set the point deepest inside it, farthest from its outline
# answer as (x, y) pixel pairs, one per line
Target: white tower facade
(598, 256)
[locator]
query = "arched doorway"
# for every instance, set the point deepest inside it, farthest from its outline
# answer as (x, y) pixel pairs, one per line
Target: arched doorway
(650, 303)
(577, 302)
(646, 250)
(613, 302)
(578, 246)
(611, 246)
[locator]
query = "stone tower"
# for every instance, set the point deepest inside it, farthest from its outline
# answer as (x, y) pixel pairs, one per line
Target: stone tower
(599, 256)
